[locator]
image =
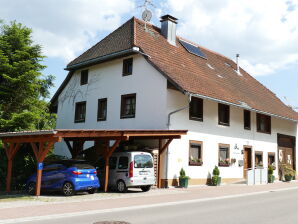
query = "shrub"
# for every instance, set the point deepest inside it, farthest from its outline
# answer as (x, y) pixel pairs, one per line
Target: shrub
(182, 173)
(216, 171)
(270, 170)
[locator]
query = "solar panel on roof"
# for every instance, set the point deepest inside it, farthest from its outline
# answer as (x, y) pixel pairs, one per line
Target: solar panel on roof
(193, 49)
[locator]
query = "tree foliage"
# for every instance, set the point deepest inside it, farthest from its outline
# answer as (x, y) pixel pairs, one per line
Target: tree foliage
(23, 87)
(23, 93)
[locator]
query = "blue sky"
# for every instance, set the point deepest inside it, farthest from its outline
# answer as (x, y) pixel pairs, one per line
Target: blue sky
(264, 33)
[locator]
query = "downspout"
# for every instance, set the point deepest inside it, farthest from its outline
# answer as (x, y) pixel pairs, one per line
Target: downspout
(169, 123)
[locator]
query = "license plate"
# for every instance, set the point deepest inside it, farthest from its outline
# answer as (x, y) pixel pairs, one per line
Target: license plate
(143, 172)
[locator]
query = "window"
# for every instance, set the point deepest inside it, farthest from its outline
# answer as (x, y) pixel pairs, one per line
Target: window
(263, 123)
(128, 106)
(80, 112)
(223, 114)
(224, 155)
(259, 159)
(195, 153)
(196, 109)
(246, 115)
(271, 159)
(127, 67)
(123, 162)
(102, 109)
(101, 163)
(84, 77)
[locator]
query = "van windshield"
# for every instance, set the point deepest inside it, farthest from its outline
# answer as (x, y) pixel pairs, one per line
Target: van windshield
(143, 161)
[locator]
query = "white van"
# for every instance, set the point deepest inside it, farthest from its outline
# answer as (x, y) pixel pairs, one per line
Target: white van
(128, 170)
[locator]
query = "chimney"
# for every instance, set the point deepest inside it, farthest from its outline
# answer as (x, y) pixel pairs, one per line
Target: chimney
(168, 28)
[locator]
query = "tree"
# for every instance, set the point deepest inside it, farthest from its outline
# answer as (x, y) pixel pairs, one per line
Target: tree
(23, 88)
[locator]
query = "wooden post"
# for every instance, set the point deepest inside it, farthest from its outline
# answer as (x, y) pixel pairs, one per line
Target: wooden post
(107, 167)
(9, 174)
(158, 167)
(11, 151)
(108, 151)
(40, 154)
(161, 150)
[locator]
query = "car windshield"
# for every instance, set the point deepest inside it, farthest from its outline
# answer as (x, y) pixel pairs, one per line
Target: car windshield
(143, 161)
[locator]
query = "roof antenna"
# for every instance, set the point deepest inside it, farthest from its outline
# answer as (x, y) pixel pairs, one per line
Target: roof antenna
(147, 14)
(237, 62)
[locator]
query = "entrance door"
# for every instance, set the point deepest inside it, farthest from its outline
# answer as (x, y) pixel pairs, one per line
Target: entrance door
(286, 156)
(247, 161)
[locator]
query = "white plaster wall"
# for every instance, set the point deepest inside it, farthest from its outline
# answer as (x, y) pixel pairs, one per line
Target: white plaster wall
(106, 81)
(212, 134)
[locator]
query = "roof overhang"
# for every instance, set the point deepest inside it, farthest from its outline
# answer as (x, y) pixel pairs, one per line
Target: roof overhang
(88, 135)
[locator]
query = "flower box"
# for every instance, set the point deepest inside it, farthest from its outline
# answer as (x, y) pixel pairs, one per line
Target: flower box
(224, 164)
(194, 163)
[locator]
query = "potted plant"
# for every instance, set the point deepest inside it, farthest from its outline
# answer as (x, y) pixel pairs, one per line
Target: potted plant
(216, 179)
(225, 162)
(271, 177)
(288, 172)
(183, 179)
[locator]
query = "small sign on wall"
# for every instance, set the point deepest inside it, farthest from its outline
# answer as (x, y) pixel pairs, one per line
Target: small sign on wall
(40, 166)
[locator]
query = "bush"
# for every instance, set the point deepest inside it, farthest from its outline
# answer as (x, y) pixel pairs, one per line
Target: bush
(270, 170)
(182, 173)
(215, 171)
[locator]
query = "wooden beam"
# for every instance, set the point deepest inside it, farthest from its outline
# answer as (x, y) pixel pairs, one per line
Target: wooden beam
(21, 139)
(166, 145)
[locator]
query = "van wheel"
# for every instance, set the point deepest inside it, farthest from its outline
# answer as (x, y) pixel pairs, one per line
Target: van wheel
(31, 188)
(68, 189)
(146, 188)
(121, 186)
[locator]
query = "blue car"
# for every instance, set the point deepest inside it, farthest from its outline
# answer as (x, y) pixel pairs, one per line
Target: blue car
(68, 176)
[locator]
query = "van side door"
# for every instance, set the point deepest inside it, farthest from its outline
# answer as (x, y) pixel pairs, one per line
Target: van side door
(122, 169)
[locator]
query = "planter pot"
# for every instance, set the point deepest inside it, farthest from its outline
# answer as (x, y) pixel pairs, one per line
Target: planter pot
(288, 178)
(271, 178)
(183, 182)
(216, 180)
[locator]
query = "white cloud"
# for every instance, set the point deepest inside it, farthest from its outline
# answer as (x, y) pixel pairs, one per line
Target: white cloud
(66, 28)
(265, 33)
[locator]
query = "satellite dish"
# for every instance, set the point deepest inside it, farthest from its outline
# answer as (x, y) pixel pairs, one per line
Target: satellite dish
(147, 15)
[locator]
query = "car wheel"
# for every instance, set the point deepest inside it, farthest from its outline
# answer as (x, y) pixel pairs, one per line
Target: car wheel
(31, 188)
(68, 189)
(121, 186)
(146, 188)
(92, 191)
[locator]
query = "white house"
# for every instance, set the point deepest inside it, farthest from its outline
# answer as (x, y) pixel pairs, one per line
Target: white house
(148, 78)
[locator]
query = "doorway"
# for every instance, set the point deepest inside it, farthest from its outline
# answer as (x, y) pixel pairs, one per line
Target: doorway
(247, 163)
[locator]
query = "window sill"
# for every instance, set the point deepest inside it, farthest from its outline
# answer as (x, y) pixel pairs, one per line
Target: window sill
(264, 132)
(79, 121)
(195, 163)
(196, 119)
(125, 117)
(101, 119)
(224, 124)
(126, 74)
(248, 129)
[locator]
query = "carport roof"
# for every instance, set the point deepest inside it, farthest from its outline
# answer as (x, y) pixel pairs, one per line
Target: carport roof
(88, 134)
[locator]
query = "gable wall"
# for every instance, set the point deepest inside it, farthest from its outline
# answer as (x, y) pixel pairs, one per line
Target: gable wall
(106, 81)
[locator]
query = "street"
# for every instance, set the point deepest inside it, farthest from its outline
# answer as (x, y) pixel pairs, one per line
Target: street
(273, 207)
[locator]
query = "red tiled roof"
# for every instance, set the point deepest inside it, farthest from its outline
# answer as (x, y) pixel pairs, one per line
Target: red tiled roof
(190, 72)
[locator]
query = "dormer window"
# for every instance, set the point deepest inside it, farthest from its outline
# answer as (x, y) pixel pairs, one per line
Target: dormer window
(84, 77)
(127, 66)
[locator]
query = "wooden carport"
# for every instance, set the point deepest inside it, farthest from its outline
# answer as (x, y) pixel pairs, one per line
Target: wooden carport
(43, 141)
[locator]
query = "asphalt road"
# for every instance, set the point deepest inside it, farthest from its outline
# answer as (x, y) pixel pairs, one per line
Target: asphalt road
(275, 207)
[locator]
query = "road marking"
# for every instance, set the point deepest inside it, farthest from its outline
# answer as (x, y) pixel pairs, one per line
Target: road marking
(66, 215)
